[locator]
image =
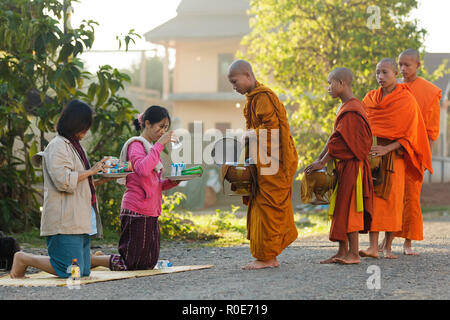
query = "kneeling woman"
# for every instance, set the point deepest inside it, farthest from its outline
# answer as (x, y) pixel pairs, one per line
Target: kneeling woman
(70, 213)
(141, 204)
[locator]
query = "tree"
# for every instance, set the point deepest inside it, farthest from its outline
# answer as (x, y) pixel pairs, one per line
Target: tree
(40, 71)
(153, 73)
(294, 44)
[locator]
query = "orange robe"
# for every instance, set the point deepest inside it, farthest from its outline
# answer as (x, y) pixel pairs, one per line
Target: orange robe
(350, 143)
(397, 117)
(428, 97)
(270, 216)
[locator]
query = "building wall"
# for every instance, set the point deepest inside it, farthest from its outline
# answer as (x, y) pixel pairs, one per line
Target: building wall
(197, 71)
(197, 64)
(210, 112)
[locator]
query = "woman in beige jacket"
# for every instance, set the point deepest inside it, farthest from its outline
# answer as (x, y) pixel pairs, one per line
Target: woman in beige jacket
(70, 213)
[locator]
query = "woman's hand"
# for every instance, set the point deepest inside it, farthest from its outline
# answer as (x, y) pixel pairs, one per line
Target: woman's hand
(92, 171)
(166, 138)
(96, 168)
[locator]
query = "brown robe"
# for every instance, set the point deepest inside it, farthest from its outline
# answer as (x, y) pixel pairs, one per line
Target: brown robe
(350, 143)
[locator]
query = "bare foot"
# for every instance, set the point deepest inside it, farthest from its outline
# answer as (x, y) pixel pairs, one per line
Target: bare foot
(370, 253)
(349, 259)
(382, 246)
(409, 251)
(387, 254)
(329, 260)
(18, 268)
(258, 264)
(332, 259)
(99, 253)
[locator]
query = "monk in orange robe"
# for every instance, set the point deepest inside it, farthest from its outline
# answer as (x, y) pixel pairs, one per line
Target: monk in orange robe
(350, 144)
(270, 216)
(428, 97)
(396, 121)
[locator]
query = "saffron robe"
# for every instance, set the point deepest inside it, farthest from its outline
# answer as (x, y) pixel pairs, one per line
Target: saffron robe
(270, 216)
(428, 96)
(397, 117)
(350, 143)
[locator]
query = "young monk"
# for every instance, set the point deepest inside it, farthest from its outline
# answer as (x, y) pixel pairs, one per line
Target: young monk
(428, 97)
(270, 216)
(396, 121)
(349, 144)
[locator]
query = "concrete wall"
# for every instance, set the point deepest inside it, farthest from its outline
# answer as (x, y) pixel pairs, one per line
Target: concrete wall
(196, 67)
(210, 112)
(441, 171)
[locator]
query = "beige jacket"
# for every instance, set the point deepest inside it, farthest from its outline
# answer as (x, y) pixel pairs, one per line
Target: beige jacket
(67, 203)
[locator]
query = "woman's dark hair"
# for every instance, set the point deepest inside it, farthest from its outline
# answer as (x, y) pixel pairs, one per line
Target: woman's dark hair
(75, 118)
(153, 114)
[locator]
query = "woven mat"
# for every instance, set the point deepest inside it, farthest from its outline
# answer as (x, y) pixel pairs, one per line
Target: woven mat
(98, 274)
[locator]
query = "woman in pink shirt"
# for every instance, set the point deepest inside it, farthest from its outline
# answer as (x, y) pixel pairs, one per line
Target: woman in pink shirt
(141, 204)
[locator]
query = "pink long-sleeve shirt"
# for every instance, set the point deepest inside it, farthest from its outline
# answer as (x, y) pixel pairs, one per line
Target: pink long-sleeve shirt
(144, 186)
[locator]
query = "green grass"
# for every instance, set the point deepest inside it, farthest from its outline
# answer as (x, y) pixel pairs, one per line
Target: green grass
(219, 229)
(33, 239)
(224, 228)
(435, 209)
(312, 223)
(30, 239)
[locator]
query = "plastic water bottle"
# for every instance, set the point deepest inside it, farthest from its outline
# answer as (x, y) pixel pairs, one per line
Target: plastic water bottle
(173, 171)
(75, 270)
(163, 264)
(181, 167)
(73, 282)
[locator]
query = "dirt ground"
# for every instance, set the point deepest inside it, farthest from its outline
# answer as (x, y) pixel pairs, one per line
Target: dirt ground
(299, 276)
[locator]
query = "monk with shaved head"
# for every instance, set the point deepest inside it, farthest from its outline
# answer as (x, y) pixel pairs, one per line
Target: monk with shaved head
(397, 123)
(270, 216)
(428, 97)
(352, 203)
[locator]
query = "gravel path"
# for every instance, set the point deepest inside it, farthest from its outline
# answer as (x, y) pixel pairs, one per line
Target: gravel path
(299, 276)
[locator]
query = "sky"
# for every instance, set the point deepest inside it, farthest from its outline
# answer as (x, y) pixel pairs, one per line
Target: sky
(117, 17)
